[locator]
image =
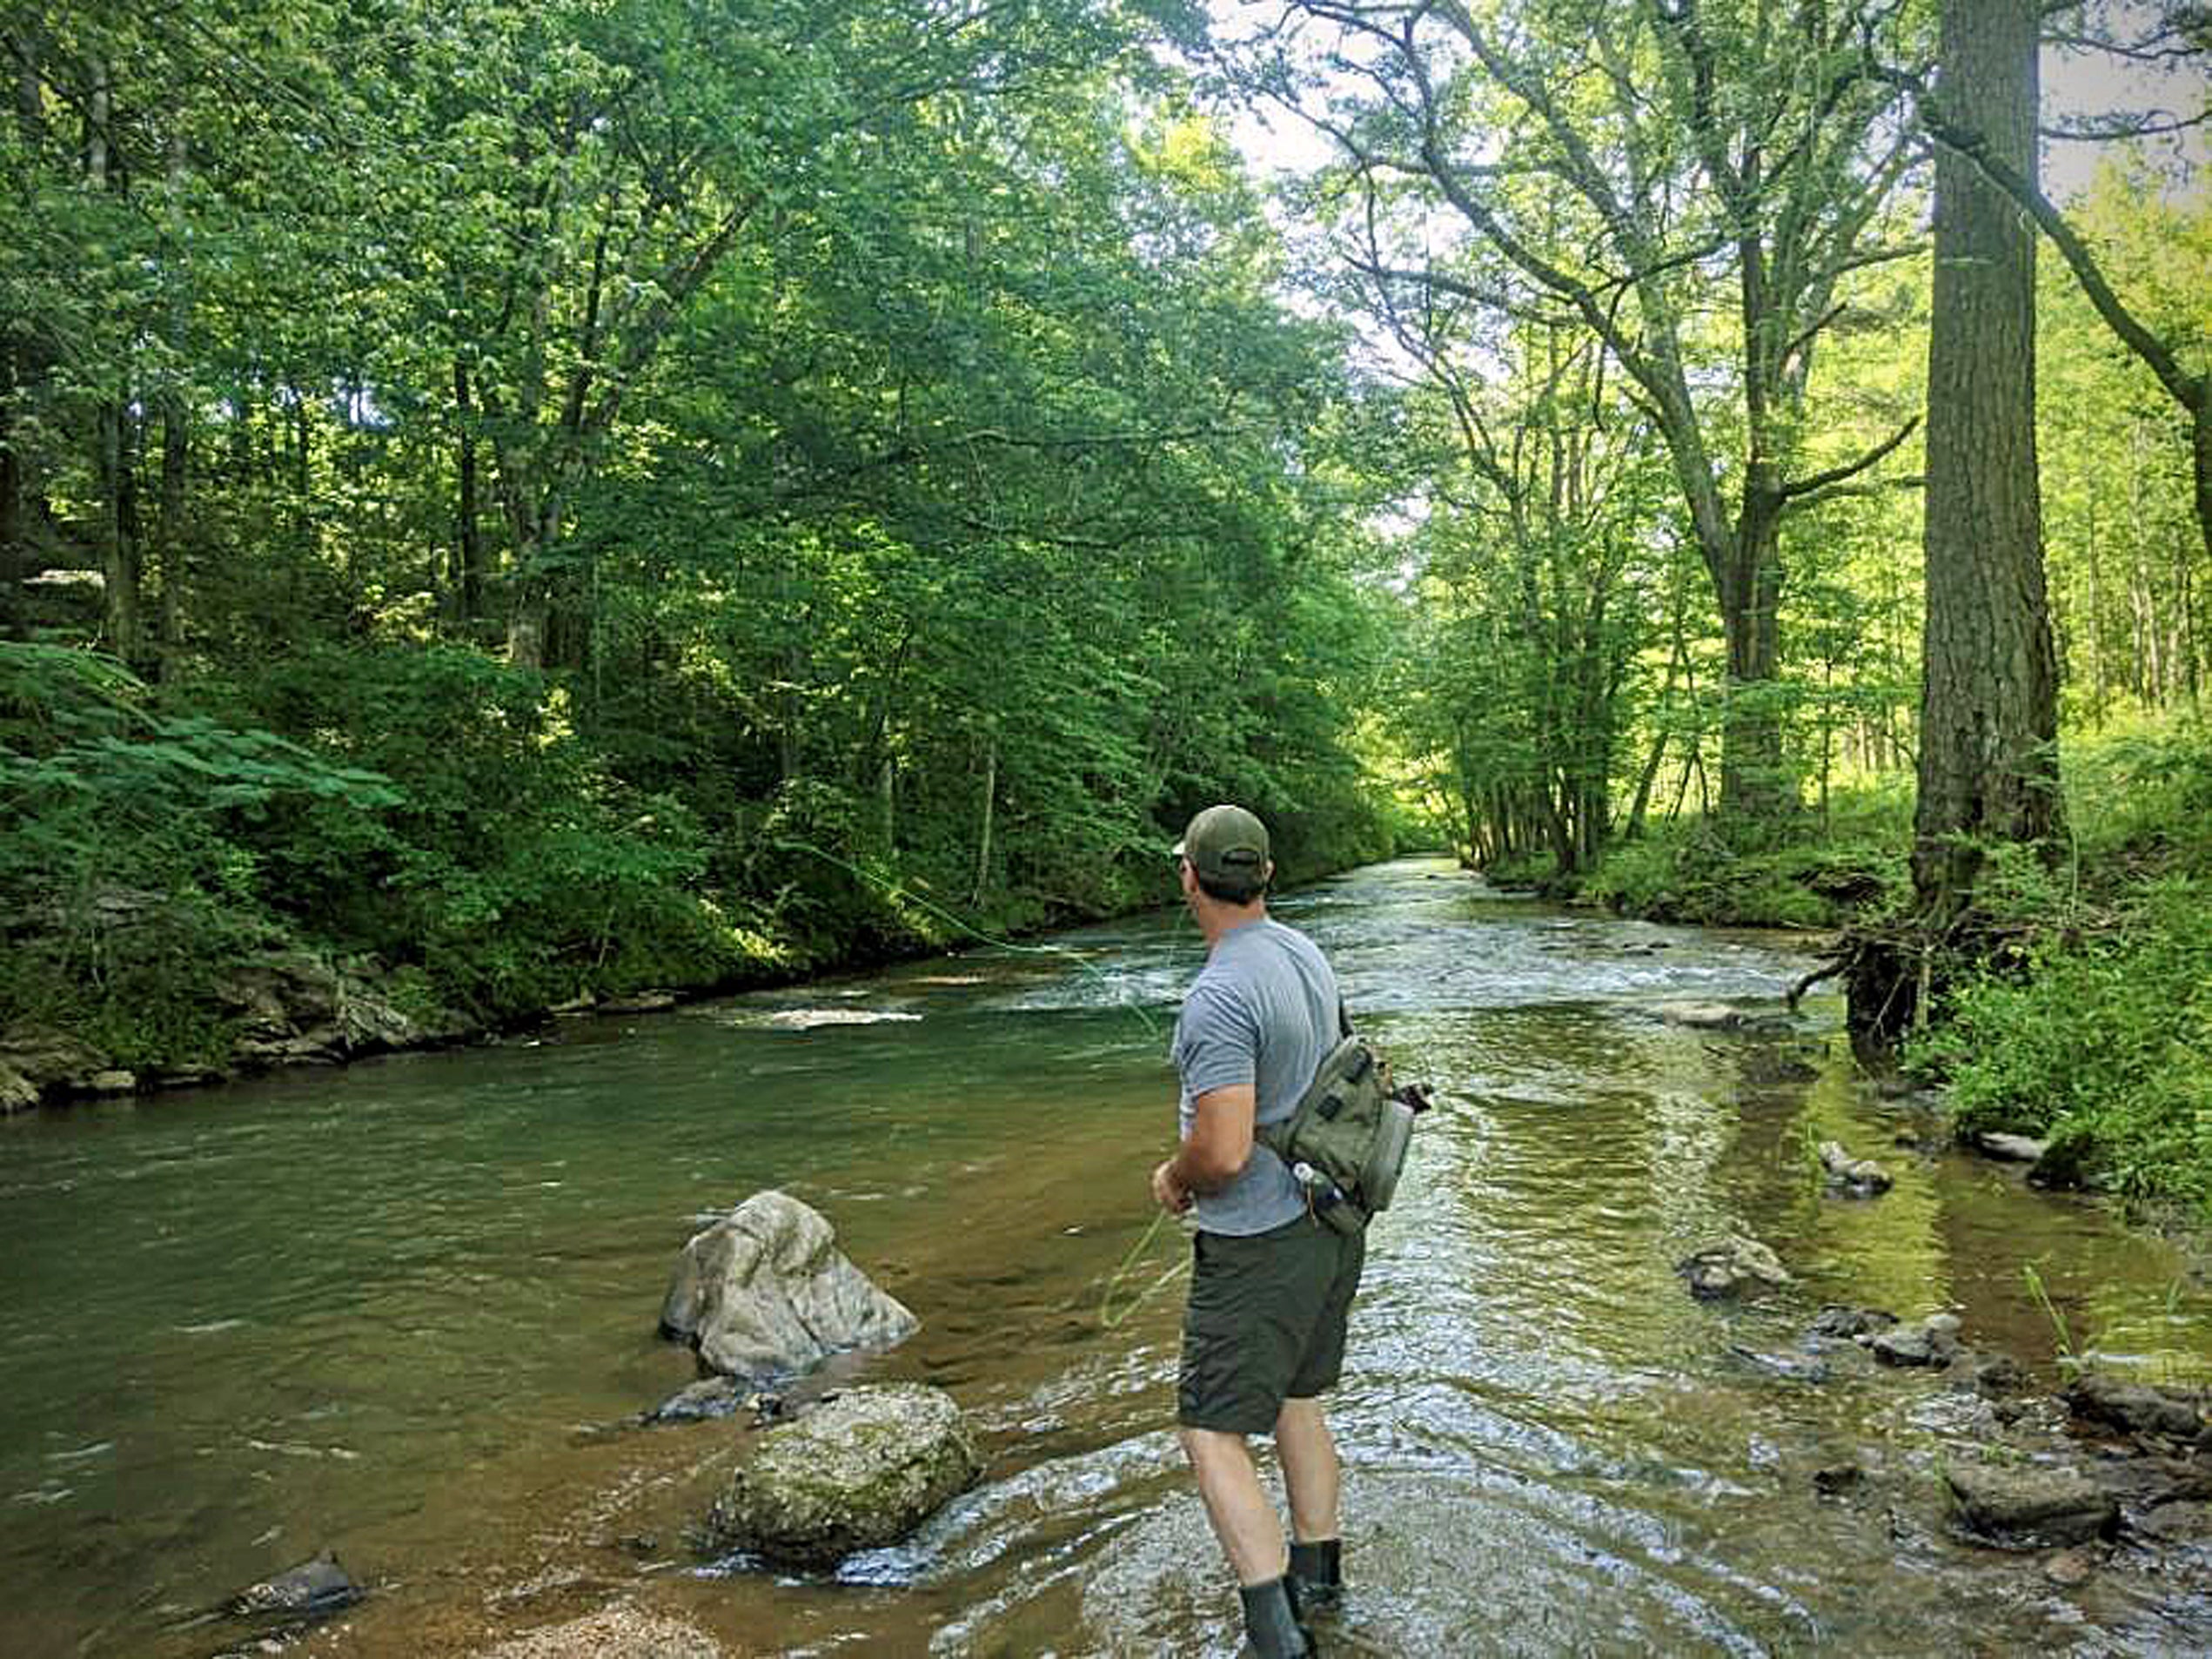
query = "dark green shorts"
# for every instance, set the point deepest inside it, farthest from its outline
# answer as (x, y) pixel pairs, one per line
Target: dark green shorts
(1265, 1322)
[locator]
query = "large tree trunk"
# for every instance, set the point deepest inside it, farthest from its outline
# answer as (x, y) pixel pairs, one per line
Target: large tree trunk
(1989, 686)
(1988, 764)
(114, 447)
(2201, 461)
(174, 523)
(15, 486)
(172, 529)
(25, 360)
(114, 458)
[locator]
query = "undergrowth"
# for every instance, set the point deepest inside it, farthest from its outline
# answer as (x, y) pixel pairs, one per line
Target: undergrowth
(2099, 1038)
(1815, 873)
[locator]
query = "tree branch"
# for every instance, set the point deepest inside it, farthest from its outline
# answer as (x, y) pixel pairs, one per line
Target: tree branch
(2187, 390)
(1820, 481)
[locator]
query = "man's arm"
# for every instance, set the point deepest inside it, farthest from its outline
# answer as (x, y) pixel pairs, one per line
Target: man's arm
(1215, 1152)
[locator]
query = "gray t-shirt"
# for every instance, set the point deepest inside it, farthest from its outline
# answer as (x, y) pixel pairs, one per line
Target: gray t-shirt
(1261, 1011)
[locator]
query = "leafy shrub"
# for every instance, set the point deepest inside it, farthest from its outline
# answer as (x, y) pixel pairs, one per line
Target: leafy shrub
(514, 868)
(2103, 1044)
(1686, 872)
(130, 867)
(2105, 1047)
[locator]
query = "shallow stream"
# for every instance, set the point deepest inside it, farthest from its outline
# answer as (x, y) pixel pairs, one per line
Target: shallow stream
(402, 1310)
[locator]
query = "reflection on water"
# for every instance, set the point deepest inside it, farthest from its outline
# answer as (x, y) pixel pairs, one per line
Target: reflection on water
(391, 1310)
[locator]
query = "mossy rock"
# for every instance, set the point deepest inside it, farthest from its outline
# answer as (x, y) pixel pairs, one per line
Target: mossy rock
(861, 1470)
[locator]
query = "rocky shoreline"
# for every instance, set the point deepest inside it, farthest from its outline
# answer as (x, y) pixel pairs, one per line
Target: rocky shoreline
(285, 1008)
(294, 1008)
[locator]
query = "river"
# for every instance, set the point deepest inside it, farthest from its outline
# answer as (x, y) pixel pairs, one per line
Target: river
(403, 1310)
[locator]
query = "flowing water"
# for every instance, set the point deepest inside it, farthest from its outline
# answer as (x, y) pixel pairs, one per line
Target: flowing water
(403, 1310)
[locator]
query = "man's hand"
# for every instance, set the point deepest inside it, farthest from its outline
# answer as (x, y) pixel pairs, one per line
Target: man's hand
(1167, 1192)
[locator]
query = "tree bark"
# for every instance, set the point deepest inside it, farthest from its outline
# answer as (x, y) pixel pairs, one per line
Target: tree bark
(112, 449)
(24, 360)
(1989, 686)
(172, 527)
(1988, 764)
(174, 524)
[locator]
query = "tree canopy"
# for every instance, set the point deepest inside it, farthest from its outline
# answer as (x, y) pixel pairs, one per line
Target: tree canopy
(622, 494)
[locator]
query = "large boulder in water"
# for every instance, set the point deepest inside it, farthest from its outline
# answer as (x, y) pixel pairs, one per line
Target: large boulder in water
(765, 1292)
(861, 1470)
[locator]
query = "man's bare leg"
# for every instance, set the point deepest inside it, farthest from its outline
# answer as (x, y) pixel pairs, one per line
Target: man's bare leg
(1309, 1469)
(1244, 1517)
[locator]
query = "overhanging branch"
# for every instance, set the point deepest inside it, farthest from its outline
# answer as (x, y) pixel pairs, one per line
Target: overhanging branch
(1802, 488)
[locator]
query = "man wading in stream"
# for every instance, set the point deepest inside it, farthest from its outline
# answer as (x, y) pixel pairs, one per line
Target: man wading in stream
(1270, 1284)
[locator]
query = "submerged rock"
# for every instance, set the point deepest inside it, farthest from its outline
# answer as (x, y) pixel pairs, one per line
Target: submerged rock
(1999, 1376)
(1703, 1016)
(709, 1397)
(310, 1590)
(1837, 1479)
(639, 1002)
(1836, 1319)
(861, 1470)
(713, 1397)
(2026, 1504)
(1931, 1341)
(2180, 1521)
(765, 1292)
(1791, 1367)
(1735, 1267)
(2071, 1569)
(1858, 1176)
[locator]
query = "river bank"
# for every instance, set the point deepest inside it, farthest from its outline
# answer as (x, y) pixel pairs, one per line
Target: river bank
(296, 1006)
(2083, 1018)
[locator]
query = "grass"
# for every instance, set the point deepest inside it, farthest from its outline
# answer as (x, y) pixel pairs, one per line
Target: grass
(2100, 1040)
(1816, 874)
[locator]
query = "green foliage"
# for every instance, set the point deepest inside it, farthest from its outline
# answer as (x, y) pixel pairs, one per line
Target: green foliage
(2105, 1047)
(2125, 553)
(137, 849)
(1687, 872)
(876, 448)
(511, 866)
(2098, 1033)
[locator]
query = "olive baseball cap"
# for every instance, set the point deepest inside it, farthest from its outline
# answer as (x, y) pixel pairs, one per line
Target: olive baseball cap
(1228, 847)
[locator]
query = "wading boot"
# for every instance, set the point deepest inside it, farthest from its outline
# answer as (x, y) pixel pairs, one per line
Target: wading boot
(1271, 1627)
(1315, 1580)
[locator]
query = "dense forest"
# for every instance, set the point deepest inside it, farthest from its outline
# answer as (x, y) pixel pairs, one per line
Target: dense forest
(506, 504)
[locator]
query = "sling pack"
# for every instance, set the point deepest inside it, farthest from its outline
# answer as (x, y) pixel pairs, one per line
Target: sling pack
(1346, 1139)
